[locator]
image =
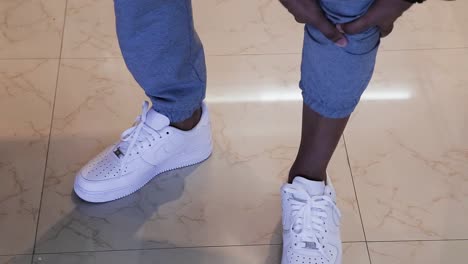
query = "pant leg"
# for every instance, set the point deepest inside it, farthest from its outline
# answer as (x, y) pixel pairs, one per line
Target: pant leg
(164, 53)
(333, 78)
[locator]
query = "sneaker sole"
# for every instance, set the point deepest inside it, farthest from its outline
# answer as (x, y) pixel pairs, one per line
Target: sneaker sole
(108, 196)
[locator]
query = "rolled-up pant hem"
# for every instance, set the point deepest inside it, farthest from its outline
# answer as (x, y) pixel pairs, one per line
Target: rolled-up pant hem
(326, 110)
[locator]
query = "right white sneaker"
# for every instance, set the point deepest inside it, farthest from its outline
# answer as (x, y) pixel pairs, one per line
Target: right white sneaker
(145, 150)
(311, 223)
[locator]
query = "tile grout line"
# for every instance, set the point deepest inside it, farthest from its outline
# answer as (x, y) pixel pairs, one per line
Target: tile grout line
(222, 246)
(50, 132)
(231, 55)
(298, 53)
(357, 200)
(155, 249)
(419, 240)
(172, 248)
(425, 49)
(16, 255)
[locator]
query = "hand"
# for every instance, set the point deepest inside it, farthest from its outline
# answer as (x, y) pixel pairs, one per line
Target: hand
(310, 12)
(382, 14)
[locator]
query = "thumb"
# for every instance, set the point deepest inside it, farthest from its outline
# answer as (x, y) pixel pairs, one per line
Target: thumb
(385, 30)
(358, 26)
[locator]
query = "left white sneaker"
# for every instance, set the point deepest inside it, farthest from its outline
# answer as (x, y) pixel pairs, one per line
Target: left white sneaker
(311, 223)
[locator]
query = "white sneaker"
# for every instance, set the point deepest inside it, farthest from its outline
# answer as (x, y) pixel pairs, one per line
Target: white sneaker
(149, 148)
(311, 229)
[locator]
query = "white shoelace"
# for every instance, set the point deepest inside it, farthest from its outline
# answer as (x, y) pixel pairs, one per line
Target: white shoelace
(137, 135)
(308, 217)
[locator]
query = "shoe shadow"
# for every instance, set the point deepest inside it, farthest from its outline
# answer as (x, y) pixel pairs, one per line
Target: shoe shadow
(96, 228)
(100, 231)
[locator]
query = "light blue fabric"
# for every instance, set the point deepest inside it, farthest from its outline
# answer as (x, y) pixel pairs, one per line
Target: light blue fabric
(333, 78)
(163, 52)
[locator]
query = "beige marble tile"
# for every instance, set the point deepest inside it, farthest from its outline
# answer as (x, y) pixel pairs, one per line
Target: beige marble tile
(232, 199)
(26, 97)
(433, 252)
(247, 27)
(409, 150)
(354, 253)
(31, 28)
(22, 259)
(90, 30)
(434, 24)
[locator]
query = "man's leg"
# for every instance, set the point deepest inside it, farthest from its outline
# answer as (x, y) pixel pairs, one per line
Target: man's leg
(333, 80)
(164, 53)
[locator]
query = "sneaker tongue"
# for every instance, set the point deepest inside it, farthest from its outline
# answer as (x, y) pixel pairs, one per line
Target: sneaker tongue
(313, 188)
(156, 120)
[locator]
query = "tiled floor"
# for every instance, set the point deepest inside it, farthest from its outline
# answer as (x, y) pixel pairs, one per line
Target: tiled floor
(401, 171)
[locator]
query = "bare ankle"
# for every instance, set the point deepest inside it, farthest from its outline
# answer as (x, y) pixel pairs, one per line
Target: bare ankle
(189, 123)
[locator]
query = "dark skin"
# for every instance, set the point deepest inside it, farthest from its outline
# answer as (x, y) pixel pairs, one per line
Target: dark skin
(190, 122)
(320, 135)
(310, 12)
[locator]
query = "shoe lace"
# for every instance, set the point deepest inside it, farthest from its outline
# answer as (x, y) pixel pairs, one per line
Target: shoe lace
(138, 134)
(308, 218)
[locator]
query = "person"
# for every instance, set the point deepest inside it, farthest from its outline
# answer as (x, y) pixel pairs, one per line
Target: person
(165, 55)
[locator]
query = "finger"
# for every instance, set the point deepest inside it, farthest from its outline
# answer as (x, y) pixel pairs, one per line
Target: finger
(359, 25)
(329, 30)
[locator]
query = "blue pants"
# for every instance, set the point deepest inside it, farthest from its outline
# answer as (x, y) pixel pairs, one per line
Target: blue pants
(165, 55)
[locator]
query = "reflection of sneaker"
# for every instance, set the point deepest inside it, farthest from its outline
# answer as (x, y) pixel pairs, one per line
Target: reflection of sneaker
(311, 232)
(149, 148)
